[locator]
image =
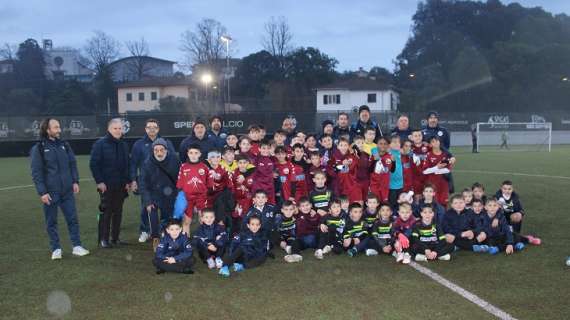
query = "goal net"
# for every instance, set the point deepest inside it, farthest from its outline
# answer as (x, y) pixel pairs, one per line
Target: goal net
(515, 136)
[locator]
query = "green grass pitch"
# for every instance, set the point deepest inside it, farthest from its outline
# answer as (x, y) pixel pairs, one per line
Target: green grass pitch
(121, 284)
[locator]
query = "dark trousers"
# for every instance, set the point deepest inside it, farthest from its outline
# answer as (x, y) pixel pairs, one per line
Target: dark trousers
(67, 204)
(112, 204)
(239, 256)
(178, 267)
(393, 197)
(442, 248)
(379, 244)
(204, 253)
(331, 238)
(501, 241)
(304, 242)
(145, 224)
(166, 207)
(464, 243)
(361, 246)
(223, 206)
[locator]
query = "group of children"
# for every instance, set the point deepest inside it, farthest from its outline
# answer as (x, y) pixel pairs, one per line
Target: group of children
(354, 195)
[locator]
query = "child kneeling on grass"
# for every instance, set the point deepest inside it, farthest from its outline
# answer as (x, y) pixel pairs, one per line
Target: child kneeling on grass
(174, 252)
(210, 239)
(428, 240)
(248, 250)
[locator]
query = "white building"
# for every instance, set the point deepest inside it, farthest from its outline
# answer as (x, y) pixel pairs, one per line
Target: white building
(347, 94)
(66, 62)
(145, 95)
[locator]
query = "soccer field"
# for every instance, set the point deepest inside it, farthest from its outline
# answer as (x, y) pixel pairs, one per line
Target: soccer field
(121, 283)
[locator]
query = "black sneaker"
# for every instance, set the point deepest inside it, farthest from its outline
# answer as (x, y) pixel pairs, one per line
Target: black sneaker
(105, 244)
(159, 271)
(188, 271)
(119, 242)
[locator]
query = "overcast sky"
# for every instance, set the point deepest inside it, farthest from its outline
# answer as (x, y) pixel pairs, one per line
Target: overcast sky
(359, 33)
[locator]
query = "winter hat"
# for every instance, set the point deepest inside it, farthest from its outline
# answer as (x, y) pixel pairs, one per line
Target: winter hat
(363, 108)
(160, 142)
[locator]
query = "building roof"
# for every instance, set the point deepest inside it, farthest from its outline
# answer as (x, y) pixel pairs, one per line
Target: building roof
(146, 57)
(156, 82)
(357, 84)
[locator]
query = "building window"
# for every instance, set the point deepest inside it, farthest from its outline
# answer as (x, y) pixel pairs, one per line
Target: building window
(153, 95)
(372, 98)
(331, 99)
(129, 97)
(141, 96)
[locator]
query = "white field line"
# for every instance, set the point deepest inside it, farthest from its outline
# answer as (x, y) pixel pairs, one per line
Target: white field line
(515, 174)
(464, 293)
(31, 185)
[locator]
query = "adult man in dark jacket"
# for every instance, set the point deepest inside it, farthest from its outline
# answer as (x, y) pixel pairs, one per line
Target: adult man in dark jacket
(109, 166)
(434, 129)
(402, 128)
(364, 122)
(217, 132)
(54, 172)
(342, 127)
(142, 150)
(198, 137)
(157, 186)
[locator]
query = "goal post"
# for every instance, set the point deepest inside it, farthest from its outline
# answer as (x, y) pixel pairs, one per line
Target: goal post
(514, 136)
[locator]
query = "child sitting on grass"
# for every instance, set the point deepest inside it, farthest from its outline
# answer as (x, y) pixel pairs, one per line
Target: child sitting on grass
(428, 240)
(402, 233)
(248, 250)
(210, 239)
(331, 230)
(174, 252)
(355, 237)
(382, 240)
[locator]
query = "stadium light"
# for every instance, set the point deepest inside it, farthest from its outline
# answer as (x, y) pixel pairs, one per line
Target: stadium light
(227, 39)
(565, 79)
(206, 78)
(412, 75)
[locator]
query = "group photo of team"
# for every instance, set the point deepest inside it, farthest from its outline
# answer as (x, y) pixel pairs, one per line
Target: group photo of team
(230, 201)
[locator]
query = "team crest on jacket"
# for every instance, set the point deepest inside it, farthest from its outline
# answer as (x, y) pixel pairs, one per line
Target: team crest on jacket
(201, 172)
(286, 171)
(440, 133)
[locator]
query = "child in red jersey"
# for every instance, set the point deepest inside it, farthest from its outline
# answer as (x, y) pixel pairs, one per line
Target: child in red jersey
(381, 169)
(253, 133)
(343, 167)
(300, 167)
(242, 183)
(194, 180)
(420, 150)
(219, 196)
(264, 168)
(285, 175)
(314, 167)
(402, 232)
(437, 165)
(364, 163)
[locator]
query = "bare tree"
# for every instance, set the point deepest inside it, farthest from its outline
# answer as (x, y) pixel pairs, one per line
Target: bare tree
(277, 38)
(139, 51)
(203, 45)
(8, 51)
(101, 50)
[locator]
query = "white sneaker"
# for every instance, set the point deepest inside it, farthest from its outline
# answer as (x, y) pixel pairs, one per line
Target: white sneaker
(56, 254)
(291, 258)
(80, 251)
(319, 254)
(144, 237)
(407, 258)
(219, 263)
(288, 249)
(371, 252)
(421, 258)
(211, 263)
(399, 257)
(445, 257)
(327, 249)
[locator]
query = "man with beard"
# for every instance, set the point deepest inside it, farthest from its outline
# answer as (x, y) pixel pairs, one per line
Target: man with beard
(289, 125)
(217, 132)
(157, 185)
(342, 127)
(55, 176)
(142, 150)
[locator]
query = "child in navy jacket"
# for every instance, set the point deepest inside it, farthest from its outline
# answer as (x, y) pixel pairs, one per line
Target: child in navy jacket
(210, 240)
(174, 252)
(248, 250)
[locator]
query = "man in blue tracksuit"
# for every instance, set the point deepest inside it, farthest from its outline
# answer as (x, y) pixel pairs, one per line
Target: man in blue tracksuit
(157, 186)
(55, 176)
(217, 132)
(142, 150)
(109, 164)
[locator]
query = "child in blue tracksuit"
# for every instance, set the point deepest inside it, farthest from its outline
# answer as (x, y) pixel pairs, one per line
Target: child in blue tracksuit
(174, 252)
(248, 250)
(499, 236)
(461, 226)
(210, 240)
